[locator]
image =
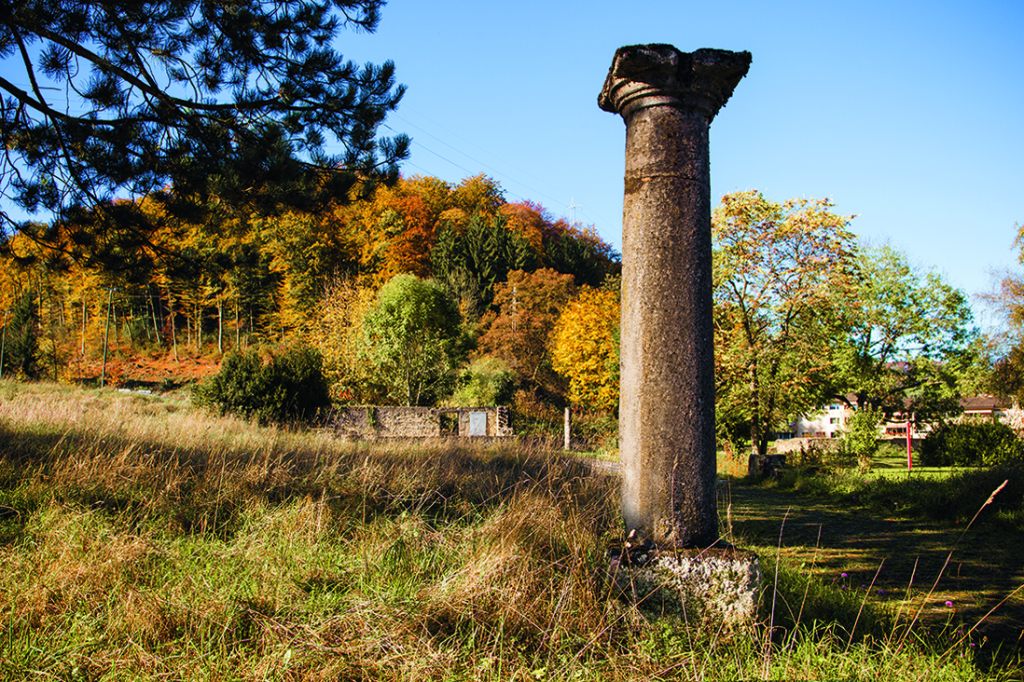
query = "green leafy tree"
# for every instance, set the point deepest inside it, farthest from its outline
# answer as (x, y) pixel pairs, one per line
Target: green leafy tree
(287, 386)
(411, 342)
(910, 342)
(241, 100)
(777, 271)
(972, 444)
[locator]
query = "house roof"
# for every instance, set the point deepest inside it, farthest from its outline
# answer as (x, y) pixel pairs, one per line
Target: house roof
(982, 403)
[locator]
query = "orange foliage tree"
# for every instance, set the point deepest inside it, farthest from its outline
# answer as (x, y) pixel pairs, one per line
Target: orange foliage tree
(528, 305)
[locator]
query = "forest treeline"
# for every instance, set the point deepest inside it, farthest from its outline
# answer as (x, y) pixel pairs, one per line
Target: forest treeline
(233, 280)
(424, 292)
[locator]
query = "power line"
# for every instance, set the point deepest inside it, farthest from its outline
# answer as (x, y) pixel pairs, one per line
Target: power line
(493, 169)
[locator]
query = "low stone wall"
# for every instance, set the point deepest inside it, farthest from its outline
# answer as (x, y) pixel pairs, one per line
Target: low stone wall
(374, 421)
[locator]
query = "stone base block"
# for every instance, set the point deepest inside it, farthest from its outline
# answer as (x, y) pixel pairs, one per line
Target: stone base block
(716, 586)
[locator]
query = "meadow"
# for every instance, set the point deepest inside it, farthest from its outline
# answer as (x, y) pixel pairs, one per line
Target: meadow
(141, 538)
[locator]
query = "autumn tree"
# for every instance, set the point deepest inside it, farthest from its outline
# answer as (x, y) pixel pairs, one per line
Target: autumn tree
(527, 306)
(779, 271)
(337, 334)
(585, 348)
(411, 342)
(909, 338)
(1007, 345)
(239, 100)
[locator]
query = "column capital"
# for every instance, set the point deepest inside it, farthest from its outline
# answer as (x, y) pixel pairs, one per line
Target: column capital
(643, 76)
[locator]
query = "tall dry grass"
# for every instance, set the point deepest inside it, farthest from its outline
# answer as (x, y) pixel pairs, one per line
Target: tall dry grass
(140, 539)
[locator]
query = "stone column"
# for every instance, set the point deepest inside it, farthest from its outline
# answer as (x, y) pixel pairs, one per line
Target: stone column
(667, 400)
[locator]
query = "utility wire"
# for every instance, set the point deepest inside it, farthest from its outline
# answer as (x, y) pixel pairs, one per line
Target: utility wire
(496, 171)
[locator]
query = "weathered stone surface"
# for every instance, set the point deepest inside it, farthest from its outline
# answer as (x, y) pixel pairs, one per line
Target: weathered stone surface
(712, 586)
(421, 422)
(666, 416)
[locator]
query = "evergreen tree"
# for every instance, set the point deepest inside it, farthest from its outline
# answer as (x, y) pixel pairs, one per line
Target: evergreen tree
(22, 346)
(236, 100)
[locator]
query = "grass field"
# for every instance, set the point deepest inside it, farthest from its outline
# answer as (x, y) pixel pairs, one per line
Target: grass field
(140, 539)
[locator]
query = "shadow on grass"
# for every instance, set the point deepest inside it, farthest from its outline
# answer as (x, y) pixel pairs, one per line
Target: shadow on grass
(853, 543)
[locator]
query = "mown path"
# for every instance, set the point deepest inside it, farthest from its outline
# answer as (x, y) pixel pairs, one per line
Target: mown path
(986, 566)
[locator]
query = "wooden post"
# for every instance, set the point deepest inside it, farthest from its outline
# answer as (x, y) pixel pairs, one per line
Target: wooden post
(106, 337)
(567, 429)
(3, 345)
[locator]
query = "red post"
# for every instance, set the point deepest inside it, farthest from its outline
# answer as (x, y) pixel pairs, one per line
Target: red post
(910, 447)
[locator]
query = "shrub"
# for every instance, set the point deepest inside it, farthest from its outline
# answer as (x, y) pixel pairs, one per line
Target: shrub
(286, 387)
(487, 381)
(972, 444)
(860, 439)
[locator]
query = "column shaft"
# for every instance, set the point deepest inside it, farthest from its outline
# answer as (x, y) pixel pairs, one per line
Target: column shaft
(667, 420)
(667, 397)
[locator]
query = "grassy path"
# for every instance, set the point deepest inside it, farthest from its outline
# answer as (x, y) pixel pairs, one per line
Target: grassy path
(832, 540)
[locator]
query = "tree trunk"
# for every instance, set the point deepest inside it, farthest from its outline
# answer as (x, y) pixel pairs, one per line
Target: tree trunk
(106, 337)
(174, 325)
(126, 323)
(220, 327)
(756, 440)
(83, 325)
(152, 309)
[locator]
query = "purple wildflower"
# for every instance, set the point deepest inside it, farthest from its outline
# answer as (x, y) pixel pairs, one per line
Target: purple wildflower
(949, 604)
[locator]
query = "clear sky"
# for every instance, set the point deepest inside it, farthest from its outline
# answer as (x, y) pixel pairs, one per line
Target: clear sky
(907, 114)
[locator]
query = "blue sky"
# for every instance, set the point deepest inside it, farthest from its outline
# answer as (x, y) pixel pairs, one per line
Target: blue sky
(907, 114)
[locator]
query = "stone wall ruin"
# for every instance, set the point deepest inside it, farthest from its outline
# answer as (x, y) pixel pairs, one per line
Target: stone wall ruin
(374, 421)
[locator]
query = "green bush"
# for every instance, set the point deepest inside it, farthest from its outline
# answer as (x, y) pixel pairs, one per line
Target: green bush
(972, 444)
(286, 387)
(860, 440)
(487, 381)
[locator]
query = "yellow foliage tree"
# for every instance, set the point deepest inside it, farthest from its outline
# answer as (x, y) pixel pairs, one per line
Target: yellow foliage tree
(585, 348)
(336, 333)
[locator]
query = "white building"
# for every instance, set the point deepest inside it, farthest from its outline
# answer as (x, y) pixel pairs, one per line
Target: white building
(829, 423)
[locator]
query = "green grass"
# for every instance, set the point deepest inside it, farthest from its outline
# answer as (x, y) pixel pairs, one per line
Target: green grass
(142, 540)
